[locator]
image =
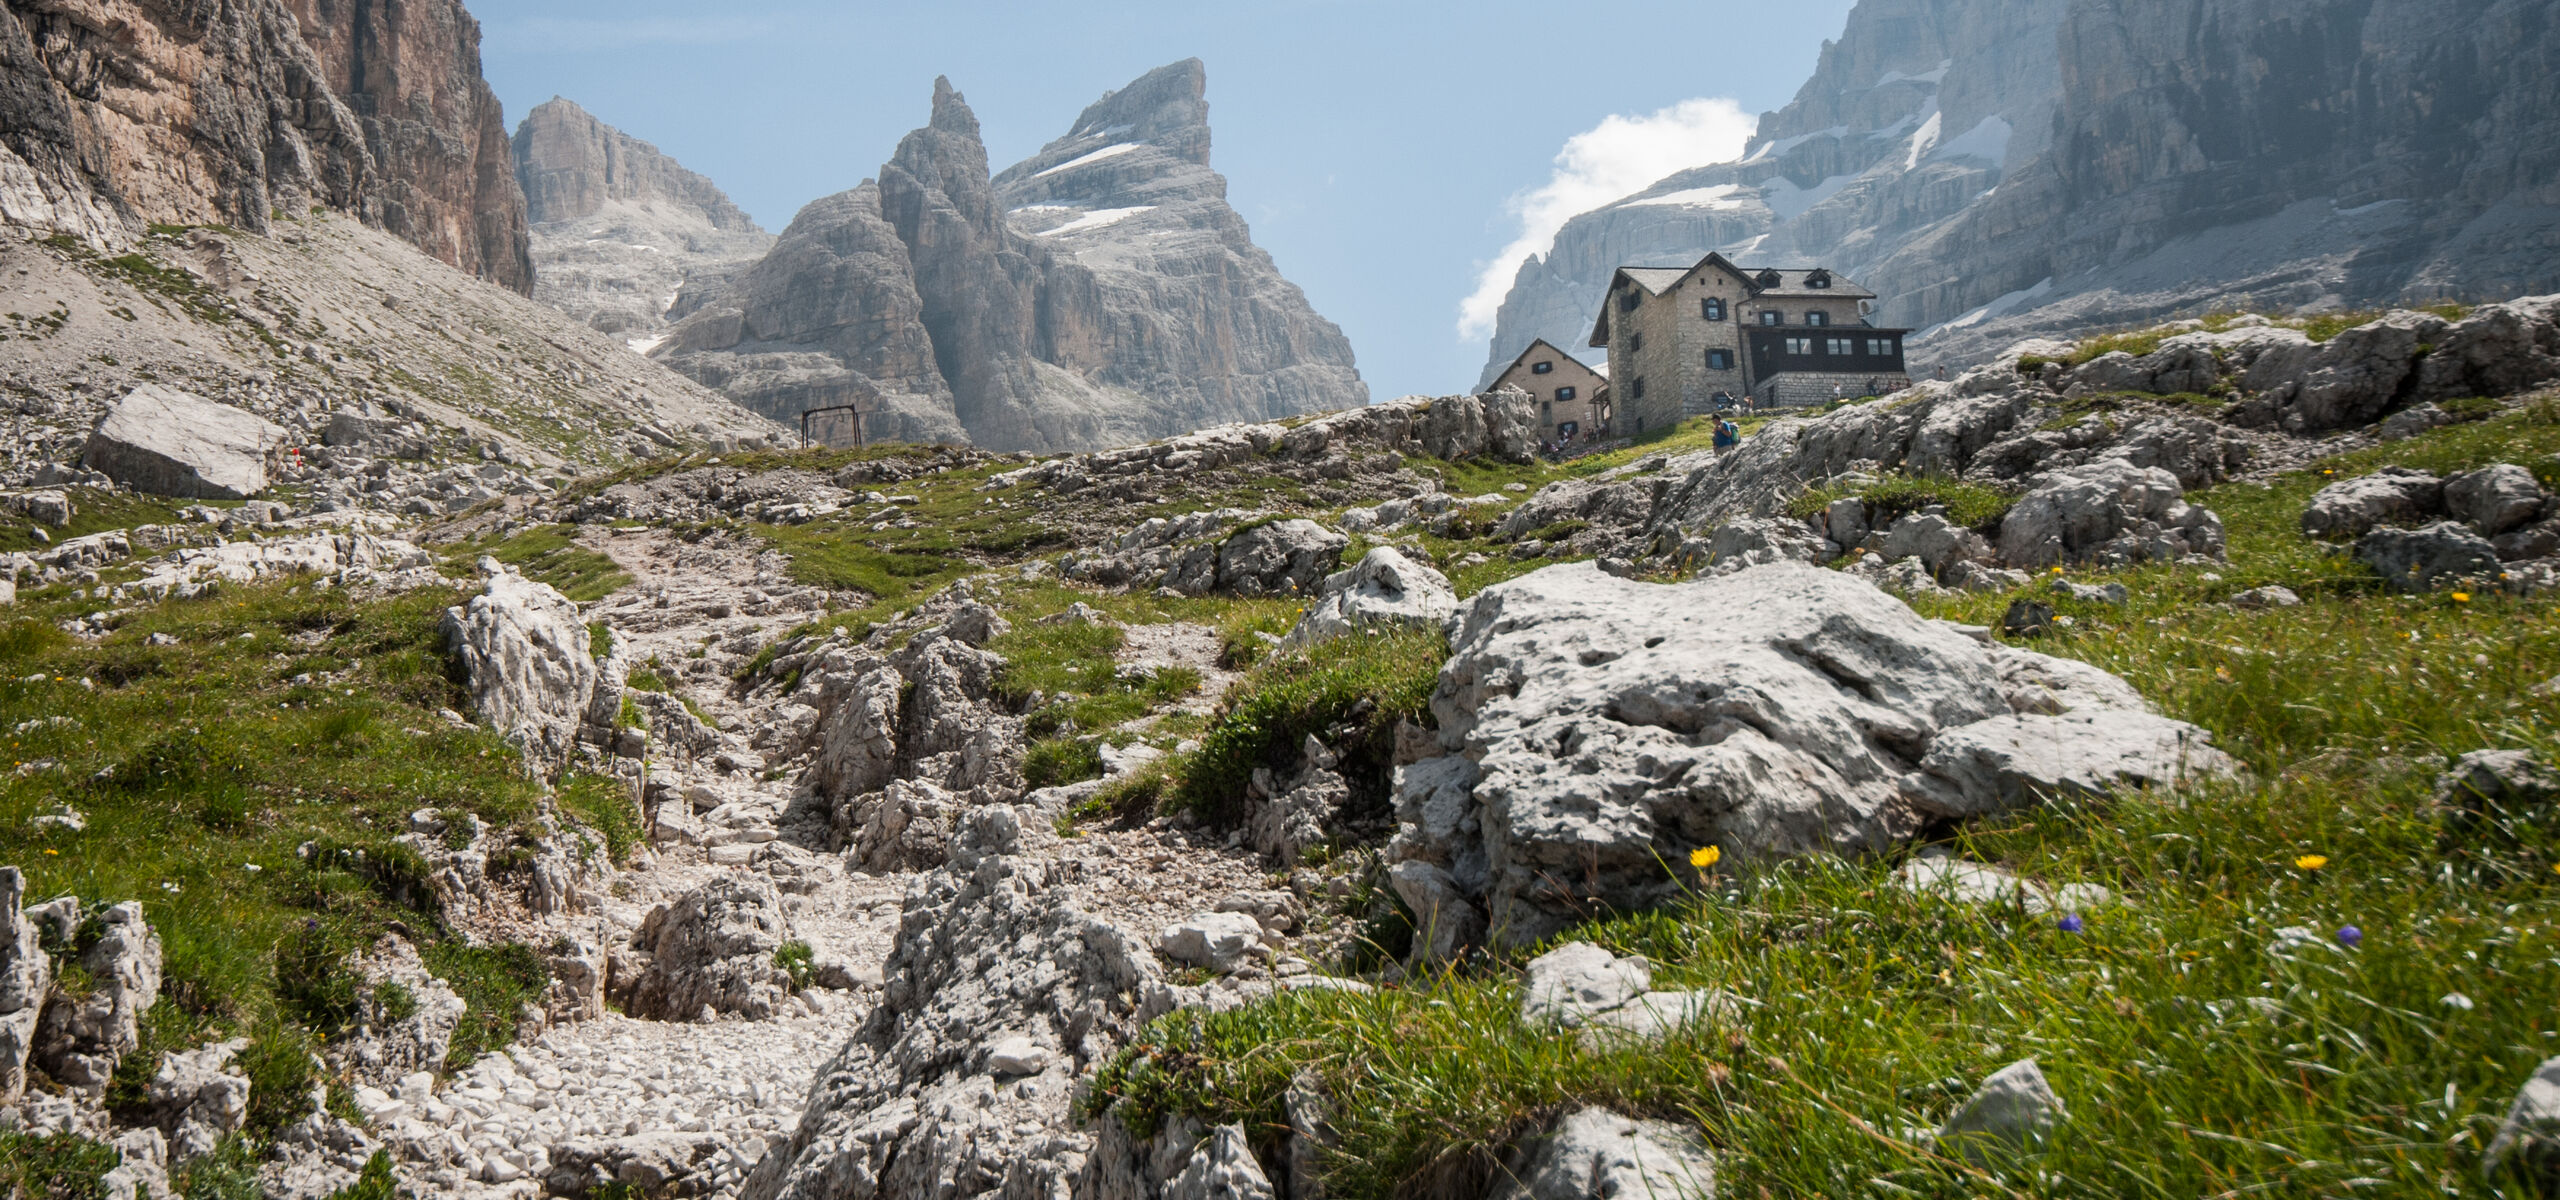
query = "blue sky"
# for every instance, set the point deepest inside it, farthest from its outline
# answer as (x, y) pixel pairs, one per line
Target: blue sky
(1384, 151)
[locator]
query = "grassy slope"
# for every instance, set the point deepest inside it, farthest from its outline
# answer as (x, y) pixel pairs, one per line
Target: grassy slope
(2198, 1055)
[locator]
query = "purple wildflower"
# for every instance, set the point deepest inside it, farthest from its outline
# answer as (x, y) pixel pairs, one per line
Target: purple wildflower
(2349, 936)
(2070, 923)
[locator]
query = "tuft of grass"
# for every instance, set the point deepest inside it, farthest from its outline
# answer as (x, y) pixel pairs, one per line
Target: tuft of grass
(1053, 762)
(551, 554)
(797, 960)
(1972, 505)
(494, 981)
(1349, 692)
(58, 1166)
(375, 1182)
(603, 804)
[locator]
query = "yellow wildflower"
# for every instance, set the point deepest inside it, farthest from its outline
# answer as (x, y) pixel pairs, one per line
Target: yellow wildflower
(2462, 597)
(2311, 862)
(1705, 856)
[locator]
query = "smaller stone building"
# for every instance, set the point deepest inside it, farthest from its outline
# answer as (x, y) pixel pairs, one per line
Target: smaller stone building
(1679, 337)
(1573, 401)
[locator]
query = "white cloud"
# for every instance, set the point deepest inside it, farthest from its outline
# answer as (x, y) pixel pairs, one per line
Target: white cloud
(1617, 157)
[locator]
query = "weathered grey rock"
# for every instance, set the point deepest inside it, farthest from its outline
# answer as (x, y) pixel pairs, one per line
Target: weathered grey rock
(1594, 1152)
(26, 978)
(905, 826)
(1221, 1169)
(2350, 508)
(1939, 874)
(1611, 727)
(81, 1038)
(2271, 596)
(714, 949)
(2013, 1109)
(2528, 1140)
(1937, 542)
(1746, 542)
(1284, 818)
(172, 443)
(658, 1163)
(1220, 941)
(387, 1046)
(1445, 921)
(1384, 590)
(142, 1166)
(2494, 499)
(196, 1097)
(1567, 985)
(1282, 558)
(906, 741)
(2017, 761)
(2438, 555)
(989, 942)
(2109, 511)
(531, 663)
(2493, 788)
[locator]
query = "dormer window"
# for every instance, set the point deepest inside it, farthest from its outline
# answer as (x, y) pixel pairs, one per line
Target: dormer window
(1817, 278)
(1541, 368)
(1767, 279)
(1712, 308)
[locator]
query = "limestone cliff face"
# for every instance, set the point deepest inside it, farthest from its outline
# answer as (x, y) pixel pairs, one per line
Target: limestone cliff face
(119, 113)
(1100, 293)
(618, 228)
(1996, 167)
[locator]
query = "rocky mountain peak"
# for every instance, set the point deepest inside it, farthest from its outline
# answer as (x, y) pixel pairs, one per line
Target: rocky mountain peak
(571, 165)
(1167, 108)
(619, 229)
(1098, 293)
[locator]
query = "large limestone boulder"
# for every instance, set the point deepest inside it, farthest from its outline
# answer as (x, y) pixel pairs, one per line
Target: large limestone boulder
(1385, 590)
(396, 1039)
(2495, 499)
(713, 949)
(2351, 508)
(2109, 511)
(2529, 1138)
(531, 662)
(172, 443)
(2438, 555)
(1598, 728)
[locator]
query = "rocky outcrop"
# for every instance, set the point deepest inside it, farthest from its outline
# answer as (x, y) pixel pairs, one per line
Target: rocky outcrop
(712, 952)
(2000, 170)
(1223, 552)
(618, 228)
(122, 114)
(171, 443)
(532, 666)
(26, 979)
(2505, 530)
(990, 947)
(1098, 294)
(1595, 1152)
(2109, 512)
(83, 1036)
(1383, 591)
(1595, 729)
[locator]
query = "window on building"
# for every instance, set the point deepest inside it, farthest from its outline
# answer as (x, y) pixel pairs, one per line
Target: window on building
(1802, 345)
(1817, 278)
(1840, 346)
(1548, 410)
(1719, 360)
(1773, 317)
(1711, 308)
(1766, 279)
(1541, 368)
(1628, 299)
(1635, 342)
(1564, 395)
(1637, 388)
(1880, 347)
(1817, 317)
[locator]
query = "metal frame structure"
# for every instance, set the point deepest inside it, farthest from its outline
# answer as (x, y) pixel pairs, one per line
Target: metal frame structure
(857, 410)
